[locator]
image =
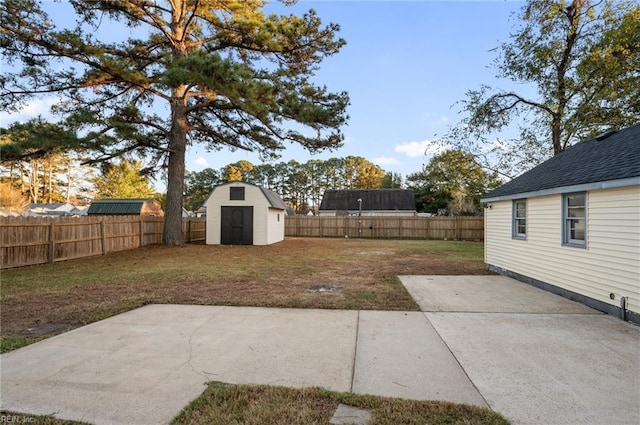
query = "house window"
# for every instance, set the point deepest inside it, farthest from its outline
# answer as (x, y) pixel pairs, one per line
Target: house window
(236, 193)
(519, 226)
(574, 217)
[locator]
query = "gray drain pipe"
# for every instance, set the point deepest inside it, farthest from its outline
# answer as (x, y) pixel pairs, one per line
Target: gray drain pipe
(623, 305)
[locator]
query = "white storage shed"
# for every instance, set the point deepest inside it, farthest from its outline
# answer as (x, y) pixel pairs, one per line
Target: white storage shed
(240, 213)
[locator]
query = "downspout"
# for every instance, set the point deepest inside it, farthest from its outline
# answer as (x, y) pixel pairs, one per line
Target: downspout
(623, 306)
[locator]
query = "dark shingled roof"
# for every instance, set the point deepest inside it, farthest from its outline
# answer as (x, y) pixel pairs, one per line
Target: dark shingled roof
(117, 206)
(274, 199)
(372, 200)
(611, 156)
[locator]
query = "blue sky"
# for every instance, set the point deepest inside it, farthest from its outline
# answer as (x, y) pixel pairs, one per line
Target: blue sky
(405, 65)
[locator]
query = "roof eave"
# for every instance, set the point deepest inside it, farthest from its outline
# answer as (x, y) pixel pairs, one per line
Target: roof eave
(609, 184)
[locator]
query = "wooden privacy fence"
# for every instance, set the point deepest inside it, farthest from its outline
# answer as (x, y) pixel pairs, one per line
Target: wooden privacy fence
(34, 240)
(445, 228)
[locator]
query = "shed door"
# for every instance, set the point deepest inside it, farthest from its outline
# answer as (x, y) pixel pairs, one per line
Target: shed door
(237, 226)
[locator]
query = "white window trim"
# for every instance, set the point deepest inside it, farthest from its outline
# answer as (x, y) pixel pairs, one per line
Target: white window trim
(515, 218)
(566, 239)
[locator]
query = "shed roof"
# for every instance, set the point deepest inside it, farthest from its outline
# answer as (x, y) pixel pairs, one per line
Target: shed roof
(118, 206)
(609, 160)
(275, 201)
(372, 200)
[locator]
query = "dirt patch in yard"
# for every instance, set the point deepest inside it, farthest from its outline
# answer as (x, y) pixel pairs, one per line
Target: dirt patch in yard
(299, 272)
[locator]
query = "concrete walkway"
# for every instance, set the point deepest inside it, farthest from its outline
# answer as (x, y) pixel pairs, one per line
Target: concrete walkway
(535, 357)
(530, 355)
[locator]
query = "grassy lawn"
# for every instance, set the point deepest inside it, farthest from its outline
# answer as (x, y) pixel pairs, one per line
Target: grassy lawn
(41, 301)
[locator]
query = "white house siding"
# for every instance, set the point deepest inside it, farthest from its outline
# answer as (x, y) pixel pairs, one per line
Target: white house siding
(609, 264)
(264, 217)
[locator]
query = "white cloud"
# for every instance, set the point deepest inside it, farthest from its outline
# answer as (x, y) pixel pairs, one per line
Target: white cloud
(418, 149)
(32, 109)
(202, 161)
(385, 160)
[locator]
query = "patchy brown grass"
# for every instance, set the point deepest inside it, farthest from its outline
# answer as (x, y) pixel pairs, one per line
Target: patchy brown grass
(40, 301)
(258, 404)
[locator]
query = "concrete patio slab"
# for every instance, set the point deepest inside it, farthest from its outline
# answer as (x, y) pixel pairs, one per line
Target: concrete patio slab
(549, 369)
(528, 354)
(400, 355)
(144, 366)
(486, 294)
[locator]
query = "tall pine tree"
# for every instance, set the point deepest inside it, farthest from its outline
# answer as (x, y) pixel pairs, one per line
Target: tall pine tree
(224, 72)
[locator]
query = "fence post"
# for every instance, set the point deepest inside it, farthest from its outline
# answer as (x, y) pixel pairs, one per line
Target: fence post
(188, 229)
(104, 237)
(458, 230)
(427, 229)
(400, 228)
(52, 244)
(141, 222)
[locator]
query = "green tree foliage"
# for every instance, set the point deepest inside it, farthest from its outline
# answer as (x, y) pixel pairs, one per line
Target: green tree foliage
(391, 181)
(226, 73)
(35, 160)
(198, 186)
(297, 186)
(34, 139)
(301, 185)
(577, 61)
(123, 180)
(453, 182)
(35, 164)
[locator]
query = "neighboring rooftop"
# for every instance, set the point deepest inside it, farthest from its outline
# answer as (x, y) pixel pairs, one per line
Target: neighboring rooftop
(611, 157)
(372, 200)
(59, 209)
(124, 206)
